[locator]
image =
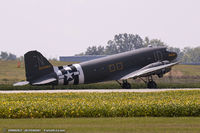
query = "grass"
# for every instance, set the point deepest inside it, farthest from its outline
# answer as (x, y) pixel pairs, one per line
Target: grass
(109, 125)
(125, 104)
(188, 70)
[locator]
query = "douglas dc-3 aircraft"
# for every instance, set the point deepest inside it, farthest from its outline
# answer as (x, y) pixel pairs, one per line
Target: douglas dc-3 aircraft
(140, 63)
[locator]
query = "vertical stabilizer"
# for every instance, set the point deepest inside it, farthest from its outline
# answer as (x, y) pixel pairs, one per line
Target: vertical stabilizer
(36, 66)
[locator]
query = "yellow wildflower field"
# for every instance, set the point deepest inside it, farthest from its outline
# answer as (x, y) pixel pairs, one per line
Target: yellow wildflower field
(56, 105)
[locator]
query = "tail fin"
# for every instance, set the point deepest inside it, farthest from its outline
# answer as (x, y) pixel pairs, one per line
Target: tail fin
(36, 66)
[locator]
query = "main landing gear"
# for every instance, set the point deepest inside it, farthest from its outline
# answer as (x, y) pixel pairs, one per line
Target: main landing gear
(124, 84)
(149, 82)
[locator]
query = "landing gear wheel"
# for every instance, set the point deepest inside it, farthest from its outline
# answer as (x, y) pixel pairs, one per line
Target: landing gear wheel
(151, 84)
(126, 85)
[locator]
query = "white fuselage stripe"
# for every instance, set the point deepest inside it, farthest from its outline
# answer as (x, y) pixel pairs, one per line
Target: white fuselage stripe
(61, 80)
(81, 75)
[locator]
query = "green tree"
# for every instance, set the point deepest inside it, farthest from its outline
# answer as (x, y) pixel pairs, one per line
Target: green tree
(191, 55)
(94, 50)
(156, 43)
(4, 55)
(124, 42)
(111, 48)
(146, 41)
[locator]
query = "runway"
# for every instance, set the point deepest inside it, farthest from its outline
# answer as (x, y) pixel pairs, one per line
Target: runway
(94, 90)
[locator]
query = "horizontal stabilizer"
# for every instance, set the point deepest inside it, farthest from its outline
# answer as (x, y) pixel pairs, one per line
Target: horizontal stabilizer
(44, 81)
(21, 83)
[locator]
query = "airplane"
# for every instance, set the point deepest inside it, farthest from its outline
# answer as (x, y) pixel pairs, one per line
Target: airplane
(140, 63)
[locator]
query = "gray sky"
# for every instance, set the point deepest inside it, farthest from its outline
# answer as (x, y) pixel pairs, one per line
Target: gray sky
(68, 27)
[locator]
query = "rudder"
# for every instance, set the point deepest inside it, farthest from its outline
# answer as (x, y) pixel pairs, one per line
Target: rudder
(36, 66)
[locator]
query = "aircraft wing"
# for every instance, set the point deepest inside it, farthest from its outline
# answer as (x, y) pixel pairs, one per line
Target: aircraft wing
(147, 71)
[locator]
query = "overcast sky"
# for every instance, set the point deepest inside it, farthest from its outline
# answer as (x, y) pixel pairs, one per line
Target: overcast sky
(68, 27)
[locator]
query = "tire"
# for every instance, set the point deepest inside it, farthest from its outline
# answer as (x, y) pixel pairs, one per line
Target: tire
(154, 85)
(151, 85)
(126, 86)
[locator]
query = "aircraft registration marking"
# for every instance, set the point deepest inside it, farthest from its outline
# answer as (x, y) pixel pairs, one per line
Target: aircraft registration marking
(44, 67)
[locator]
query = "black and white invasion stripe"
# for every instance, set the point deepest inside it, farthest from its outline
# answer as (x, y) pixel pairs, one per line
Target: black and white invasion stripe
(72, 74)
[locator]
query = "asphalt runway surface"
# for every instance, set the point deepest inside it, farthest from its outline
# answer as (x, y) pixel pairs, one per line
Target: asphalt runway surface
(95, 90)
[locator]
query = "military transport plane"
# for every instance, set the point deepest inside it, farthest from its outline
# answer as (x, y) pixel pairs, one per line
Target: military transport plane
(140, 63)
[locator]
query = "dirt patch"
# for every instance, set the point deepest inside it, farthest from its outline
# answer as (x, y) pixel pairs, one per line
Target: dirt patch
(174, 73)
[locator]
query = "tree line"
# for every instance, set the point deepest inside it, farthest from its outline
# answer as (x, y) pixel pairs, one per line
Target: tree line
(7, 56)
(126, 42)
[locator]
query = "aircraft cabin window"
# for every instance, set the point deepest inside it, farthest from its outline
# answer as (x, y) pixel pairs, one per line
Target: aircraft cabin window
(112, 68)
(119, 66)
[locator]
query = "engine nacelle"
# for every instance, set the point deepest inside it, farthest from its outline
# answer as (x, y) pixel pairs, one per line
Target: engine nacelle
(157, 64)
(161, 72)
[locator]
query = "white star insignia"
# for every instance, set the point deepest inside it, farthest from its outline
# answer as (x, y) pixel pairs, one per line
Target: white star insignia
(69, 75)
